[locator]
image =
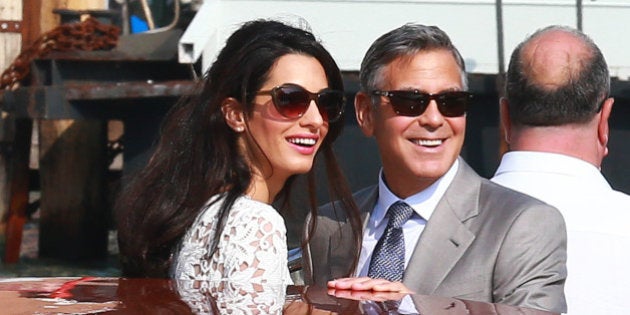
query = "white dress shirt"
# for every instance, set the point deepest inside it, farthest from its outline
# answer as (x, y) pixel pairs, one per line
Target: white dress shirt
(423, 203)
(598, 225)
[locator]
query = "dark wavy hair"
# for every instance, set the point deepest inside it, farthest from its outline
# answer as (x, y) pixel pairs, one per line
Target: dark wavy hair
(197, 155)
(577, 100)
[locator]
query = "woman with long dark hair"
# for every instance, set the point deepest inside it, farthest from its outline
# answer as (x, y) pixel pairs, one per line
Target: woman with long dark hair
(200, 209)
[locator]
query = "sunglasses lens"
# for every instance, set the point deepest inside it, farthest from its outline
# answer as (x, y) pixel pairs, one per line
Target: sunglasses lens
(413, 103)
(408, 103)
(453, 104)
(291, 101)
(330, 104)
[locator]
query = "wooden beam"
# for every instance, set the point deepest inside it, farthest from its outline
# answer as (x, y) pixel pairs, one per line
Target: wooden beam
(31, 25)
(12, 213)
(19, 189)
(73, 222)
(10, 10)
(73, 206)
(73, 169)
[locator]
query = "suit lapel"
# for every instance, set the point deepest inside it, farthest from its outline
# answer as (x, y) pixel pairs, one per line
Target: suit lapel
(342, 248)
(366, 203)
(445, 238)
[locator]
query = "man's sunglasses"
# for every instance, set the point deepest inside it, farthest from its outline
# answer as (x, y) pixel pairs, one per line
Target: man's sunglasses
(414, 103)
(292, 101)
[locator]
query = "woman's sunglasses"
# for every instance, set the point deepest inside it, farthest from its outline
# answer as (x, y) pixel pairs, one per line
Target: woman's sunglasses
(292, 101)
(414, 103)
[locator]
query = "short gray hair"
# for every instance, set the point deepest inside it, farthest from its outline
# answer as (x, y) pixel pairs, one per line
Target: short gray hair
(406, 40)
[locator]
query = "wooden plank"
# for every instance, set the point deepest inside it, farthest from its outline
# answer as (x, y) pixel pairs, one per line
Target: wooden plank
(73, 223)
(49, 20)
(73, 168)
(10, 10)
(31, 22)
(86, 4)
(19, 188)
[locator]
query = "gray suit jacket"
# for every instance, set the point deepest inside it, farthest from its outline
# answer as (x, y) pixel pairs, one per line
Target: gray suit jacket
(483, 242)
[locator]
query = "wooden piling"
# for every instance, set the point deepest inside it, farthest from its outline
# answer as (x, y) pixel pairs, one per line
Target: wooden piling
(72, 166)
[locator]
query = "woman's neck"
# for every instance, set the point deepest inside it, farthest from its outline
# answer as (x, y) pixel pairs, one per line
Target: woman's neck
(264, 189)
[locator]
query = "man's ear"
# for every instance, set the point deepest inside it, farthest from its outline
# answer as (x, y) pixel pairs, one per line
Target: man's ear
(364, 113)
(602, 125)
(233, 114)
(504, 110)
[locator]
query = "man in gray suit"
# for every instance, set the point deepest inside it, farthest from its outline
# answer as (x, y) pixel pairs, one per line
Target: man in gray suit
(464, 236)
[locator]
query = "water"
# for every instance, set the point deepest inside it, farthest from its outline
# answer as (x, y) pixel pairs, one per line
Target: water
(30, 265)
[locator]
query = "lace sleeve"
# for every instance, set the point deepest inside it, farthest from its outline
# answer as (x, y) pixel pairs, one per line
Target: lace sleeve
(227, 297)
(254, 247)
(251, 258)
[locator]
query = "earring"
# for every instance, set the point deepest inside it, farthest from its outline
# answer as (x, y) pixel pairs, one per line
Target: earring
(239, 129)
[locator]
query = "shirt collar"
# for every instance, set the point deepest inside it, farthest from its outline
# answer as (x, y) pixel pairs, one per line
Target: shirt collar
(554, 163)
(422, 202)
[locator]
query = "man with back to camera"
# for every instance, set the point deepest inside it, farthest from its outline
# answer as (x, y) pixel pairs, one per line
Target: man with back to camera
(555, 116)
(452, 233)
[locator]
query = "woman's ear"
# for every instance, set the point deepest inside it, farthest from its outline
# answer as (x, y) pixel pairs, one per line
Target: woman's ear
(233, 114)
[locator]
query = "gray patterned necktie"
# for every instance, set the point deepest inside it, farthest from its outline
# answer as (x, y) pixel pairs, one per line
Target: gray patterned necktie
(388, 258)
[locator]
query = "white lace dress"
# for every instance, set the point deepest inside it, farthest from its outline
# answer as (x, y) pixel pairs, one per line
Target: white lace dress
(248, 272)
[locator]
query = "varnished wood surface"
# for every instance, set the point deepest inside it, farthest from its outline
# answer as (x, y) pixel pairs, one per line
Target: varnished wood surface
(91, 295)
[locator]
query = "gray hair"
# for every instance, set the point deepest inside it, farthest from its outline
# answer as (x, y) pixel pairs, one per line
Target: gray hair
(577, 100)
(404, 41)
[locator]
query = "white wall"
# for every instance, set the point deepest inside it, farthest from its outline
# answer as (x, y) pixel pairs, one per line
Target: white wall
(347, 28)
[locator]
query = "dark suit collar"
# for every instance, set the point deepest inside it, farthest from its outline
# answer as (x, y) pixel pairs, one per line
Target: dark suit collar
(445, 238)
(365, 198)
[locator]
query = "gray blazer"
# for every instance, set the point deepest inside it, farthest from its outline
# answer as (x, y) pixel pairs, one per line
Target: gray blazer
(483, 242)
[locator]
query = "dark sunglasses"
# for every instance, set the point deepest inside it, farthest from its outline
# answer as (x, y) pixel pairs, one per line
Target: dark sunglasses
(292, 101)
(414, 103)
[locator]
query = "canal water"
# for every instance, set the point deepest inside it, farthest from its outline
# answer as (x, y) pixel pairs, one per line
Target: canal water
(30, 265)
